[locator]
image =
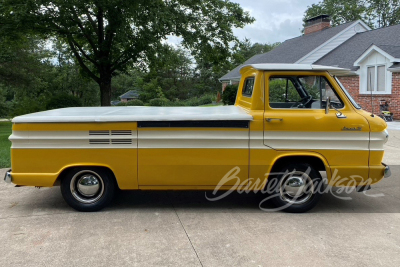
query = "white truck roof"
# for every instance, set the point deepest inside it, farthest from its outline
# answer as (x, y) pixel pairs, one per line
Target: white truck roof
(132, 114)
(304, 67)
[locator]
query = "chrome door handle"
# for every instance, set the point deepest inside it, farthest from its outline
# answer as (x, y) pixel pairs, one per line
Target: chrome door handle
(273, 119)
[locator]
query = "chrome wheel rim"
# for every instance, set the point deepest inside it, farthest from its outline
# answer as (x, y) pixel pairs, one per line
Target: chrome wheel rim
(87, 186)
(296, 187)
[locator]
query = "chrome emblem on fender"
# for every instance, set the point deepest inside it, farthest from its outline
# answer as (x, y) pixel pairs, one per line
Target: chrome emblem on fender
(351, 128)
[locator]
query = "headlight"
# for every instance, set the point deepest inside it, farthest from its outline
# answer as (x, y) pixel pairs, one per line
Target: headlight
(387, 136)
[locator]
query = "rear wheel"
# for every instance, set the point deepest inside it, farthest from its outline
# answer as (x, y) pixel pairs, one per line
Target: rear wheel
(297, 188)
(88, 189)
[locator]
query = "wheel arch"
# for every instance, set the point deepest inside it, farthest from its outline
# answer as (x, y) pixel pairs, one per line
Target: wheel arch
(67, 168)
(316, 160)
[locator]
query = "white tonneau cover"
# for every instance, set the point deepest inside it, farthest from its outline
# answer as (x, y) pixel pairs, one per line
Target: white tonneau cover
(132, 114)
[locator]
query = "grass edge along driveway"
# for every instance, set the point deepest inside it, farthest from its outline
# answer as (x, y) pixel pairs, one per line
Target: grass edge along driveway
(5, 144)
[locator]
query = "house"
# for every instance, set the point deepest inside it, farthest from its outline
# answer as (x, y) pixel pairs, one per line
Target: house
(128, 96)
(373, 56)
(115, 102)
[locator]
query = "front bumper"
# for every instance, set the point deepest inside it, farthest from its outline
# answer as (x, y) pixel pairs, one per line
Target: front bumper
(387, 172)
(8, 177)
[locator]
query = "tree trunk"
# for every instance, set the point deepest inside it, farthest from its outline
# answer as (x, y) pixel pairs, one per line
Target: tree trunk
(105, 90)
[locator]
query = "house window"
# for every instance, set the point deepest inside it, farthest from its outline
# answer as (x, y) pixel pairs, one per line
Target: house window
(376, 78)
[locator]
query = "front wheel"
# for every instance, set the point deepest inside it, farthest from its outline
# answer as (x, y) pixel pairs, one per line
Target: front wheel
(88, 189)
(296, 188)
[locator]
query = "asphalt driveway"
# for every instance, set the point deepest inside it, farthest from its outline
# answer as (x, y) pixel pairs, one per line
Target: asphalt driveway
(184, 229)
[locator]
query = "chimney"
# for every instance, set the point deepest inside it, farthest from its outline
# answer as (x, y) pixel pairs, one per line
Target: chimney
(317, 24)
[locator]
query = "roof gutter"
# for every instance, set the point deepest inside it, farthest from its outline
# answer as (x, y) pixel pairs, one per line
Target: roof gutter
(230, 79)
(395, 70)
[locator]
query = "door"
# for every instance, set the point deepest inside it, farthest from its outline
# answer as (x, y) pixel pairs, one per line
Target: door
(295, 120)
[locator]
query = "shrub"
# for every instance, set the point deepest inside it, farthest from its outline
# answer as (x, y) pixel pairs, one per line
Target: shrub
(63, 101)
(206, 99)
(158, 102)
(193, 102)
(229, 95)
(135, 102)
(121, 104)
(177, 103)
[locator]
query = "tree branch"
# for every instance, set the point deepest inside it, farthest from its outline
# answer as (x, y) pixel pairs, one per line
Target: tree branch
(119, 58)
(92, 23)
(80, 25)
(116, 66)
(80, 60)
(83, 52)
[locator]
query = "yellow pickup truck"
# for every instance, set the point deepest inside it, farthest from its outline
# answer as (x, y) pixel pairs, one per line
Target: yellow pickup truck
(293, 129)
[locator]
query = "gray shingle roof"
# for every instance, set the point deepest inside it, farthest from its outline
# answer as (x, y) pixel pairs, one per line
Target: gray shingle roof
(115, 102)
(345, 55)
(291, 50)
(130, 94)
(393, 50)
(395, 66)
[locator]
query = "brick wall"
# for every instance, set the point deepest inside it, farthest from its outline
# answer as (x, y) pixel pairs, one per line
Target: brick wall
(224, 85)
(395, 103)
(316, 27)
(352, 84)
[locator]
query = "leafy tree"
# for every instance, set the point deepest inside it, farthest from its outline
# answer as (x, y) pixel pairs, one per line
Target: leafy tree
(385, 12)
(132, 79)
(150, 91)
(66, 76)
(376, 13)
(246, 49)
(63, 101)
(341, 11)
(106, 36)
(173, 69)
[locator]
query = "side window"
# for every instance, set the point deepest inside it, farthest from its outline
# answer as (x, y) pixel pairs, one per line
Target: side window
(308, 92)
(282, 92)
(248, 87)
(319, 89)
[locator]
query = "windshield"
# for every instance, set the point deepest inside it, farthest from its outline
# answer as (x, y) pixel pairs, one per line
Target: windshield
(355, 104)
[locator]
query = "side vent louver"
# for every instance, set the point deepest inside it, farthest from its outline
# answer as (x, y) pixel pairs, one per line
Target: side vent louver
(99, 132)
(99, 141)
(121, 141)
(121, 132)
(117, 141)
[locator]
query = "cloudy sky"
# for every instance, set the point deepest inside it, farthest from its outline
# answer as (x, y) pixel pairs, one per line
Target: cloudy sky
(276, 20)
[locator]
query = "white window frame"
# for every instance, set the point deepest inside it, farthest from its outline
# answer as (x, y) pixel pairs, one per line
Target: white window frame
(375, 85)
(364, 80)
(363, 71)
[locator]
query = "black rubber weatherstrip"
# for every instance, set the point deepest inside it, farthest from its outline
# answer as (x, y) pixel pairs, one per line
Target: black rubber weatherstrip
(193, 124)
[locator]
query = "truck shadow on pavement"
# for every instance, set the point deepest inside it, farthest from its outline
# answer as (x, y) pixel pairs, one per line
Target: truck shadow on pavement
(27, 200)
(195, 201)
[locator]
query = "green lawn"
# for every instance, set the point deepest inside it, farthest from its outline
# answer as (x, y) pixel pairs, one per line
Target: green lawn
(5, 144)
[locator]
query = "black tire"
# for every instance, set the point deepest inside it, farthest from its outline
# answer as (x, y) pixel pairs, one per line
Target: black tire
(297, 188)
(88, 189)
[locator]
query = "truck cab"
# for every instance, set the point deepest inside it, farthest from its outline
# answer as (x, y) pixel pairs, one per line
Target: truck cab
(303, 113)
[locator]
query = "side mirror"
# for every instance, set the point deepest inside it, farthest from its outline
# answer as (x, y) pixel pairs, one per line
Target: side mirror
(328, 105)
